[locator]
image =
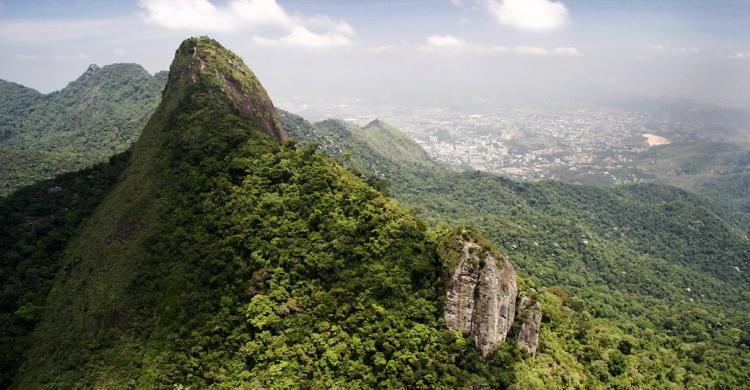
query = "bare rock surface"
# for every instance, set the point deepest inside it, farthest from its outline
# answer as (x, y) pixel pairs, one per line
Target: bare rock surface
(528, 336)
(481, 296)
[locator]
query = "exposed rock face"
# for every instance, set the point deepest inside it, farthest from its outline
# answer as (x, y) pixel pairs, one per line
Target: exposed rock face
(481, 297)
(528, 336)
(203, 60)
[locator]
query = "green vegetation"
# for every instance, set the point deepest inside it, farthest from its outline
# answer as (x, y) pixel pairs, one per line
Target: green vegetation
(390, 142)
(36, 223)
(718, 171)
(96, 116)
(211, 255)
(222, 258)
(648, 267)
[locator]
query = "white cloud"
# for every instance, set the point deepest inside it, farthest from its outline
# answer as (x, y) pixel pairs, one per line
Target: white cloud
(248, 15)
(381, 49)
(450, 45)
(457, 3)
(120, 52)
(674, 50)
(262, 12)
(541, 51)
(301, 36)
(656, 47)
(529, 14)
(447, 44)
(237, 15)
(740, 55)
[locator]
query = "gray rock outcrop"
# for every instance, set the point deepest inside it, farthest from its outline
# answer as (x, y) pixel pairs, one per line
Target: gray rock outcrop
(481, 296)
(528, 336)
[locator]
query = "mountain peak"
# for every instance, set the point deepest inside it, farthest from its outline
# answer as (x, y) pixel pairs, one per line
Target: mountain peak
(203, 64)
(391, 142)
(90, 71)
(375, 123)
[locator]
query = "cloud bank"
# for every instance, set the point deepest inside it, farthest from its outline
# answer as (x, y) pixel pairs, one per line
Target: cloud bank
(450, 45)
(535, 15)
(740, 55)
(248, 15)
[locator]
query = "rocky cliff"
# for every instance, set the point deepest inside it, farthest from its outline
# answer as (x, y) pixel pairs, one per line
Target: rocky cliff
(530, 312)
(481, 297)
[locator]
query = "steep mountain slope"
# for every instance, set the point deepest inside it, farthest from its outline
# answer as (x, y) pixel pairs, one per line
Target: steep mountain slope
(224, 257)
(651, 262)
(36, 223)
(99, 114)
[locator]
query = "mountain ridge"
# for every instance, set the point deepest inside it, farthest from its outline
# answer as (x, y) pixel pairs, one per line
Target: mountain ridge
(112, 242)
(94, 117)
(221, 243)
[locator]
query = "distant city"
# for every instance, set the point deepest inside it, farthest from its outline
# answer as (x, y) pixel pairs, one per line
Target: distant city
(572, 143)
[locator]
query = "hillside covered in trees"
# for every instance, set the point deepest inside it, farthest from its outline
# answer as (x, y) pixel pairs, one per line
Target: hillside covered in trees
(220, 253)
(644, 264)
(96, 116)
(719, 171)
(222, 256)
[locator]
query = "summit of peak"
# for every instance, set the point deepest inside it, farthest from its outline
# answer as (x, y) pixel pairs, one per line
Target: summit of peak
(202, 61)
(375, 123)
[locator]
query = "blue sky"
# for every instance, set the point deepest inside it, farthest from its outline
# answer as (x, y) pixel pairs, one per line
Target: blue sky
(404, 50)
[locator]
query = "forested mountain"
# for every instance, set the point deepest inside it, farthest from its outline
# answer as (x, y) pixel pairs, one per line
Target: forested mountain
(16, 101)
(648, 264)
(218, 252)
(391, 142)
(223, 256)
(99, 114)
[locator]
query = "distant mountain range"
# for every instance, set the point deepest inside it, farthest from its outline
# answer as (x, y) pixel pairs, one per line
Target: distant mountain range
(96, 116)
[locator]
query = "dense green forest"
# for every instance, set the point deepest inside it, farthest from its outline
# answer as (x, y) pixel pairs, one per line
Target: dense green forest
(718, 171)
(653, 263)
(96, 116)
(217, 254)
(223, 258)
(37, 222)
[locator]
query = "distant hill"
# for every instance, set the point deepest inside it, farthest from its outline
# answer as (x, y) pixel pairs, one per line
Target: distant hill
(94, 117)
(718, 171)
(371, 144)
(16, 102)
(391, 142)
